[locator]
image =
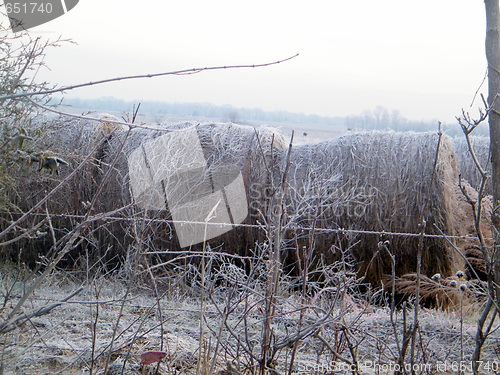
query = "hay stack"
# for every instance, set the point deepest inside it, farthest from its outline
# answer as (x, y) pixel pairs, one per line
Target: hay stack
(371, 181)
(250, 152)
(72, 140)
(377, 182)
(470, 182)
(232, 154)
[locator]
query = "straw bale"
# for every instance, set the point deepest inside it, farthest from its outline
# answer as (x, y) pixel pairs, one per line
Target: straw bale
(470, 184)
(476, 265)
(464, 216)
(379, 182)
(229, 151)
(444, 293)
(367, 181)
(249, 151)
(72, 140)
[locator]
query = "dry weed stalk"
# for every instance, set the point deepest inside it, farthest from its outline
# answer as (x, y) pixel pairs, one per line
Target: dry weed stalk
(468, 125)
(274, 231)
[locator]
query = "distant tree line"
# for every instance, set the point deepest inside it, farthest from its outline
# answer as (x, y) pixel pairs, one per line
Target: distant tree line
(201, 110)
(380, 118)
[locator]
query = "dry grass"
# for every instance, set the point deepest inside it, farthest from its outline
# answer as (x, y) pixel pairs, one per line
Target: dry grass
(442, 293)
(476, 266)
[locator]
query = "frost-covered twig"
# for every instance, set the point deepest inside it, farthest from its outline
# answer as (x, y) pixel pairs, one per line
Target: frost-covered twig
(19, 320)
(141, 76)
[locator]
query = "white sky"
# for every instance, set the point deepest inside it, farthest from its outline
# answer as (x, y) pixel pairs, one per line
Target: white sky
(423, 58)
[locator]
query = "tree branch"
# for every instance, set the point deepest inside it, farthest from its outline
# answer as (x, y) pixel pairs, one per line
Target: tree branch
(175, 72)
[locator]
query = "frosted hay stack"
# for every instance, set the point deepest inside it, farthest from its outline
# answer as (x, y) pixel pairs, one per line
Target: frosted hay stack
(195, 173)
(375, 182)
(230, 153)
(171, 172)
(73, 140)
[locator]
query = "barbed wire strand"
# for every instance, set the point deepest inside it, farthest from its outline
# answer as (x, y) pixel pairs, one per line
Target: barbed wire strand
(344, 231)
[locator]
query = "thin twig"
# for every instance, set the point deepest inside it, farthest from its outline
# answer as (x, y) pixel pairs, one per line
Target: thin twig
(27, 233)
(141, 76)
(13, 323)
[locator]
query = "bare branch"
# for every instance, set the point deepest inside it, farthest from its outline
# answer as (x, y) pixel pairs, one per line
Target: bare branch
(140, 76)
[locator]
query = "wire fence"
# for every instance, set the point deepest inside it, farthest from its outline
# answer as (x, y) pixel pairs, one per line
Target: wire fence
(341, 231)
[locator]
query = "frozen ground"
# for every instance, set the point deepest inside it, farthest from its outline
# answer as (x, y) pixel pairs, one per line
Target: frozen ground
(109, 325)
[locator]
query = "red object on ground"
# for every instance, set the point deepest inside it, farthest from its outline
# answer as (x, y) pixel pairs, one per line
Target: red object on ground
(151, 357)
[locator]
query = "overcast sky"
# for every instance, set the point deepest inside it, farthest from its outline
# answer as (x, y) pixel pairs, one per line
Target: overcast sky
(423, 58)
